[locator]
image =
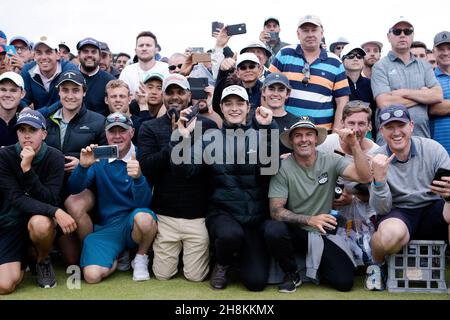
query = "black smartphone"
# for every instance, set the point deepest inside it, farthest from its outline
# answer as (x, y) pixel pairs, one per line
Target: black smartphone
(236, 29)
(441, 172)
(106, 152)
(198, 86)
(216, 25)
(193, 114)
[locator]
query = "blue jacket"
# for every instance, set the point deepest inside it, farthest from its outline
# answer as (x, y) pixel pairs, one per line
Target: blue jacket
(35, 90)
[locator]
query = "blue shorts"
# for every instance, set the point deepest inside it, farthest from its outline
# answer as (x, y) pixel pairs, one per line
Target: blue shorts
(102, 246)
(425, 223)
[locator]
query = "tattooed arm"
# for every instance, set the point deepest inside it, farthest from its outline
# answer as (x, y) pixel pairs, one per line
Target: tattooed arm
(280, 213)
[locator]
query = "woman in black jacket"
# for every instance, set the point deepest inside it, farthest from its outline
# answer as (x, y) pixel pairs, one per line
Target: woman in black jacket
(233, 158)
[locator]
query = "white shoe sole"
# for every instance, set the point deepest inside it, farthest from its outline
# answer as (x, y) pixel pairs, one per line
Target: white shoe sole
(141, 279)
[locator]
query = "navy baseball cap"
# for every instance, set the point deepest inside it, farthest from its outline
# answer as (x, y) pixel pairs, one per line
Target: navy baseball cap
(73, 76)
(396, 112)
(32, 118)
(276, 77)
(88, 41)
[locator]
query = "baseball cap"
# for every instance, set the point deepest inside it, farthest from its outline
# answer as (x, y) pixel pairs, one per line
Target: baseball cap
(256, 45)
(176, 79)
(441, 37)
(352, 47)
(20, 38)
(14, 77)
(234, 90)
(276, 77)
(396, 112)
(303, 122)
(118, 119)
(397, 20)
(271, 19)
(33, 118)
(309, 18)
(377, 43)
(47, 41)
(247, 56)
(104, 47)
(63, 44)
(73, 76)
(154, 75)
(88, 41)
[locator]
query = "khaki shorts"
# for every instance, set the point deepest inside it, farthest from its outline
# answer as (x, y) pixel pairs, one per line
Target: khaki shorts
(174, 234)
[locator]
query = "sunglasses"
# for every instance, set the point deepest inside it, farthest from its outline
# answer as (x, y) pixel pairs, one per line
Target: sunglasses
(244, 67)
(119, 118)
(398, 31)
(306, 74)
(357, 104)
(353, 55)
(173, 67)
(396, 114)
(339, 47)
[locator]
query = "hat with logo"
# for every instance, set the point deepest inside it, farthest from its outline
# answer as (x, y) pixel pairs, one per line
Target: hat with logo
(73, 76)
(118, 119)
(352, 47)
(154, 75)
(303, 122)
(20, 38)
(396, 112)
(176, 79)
(441, 37)
(88, 41)
(310, 18)
(234, 90)
(46, 40)
(276, 77)
(256, 45)
(32, 118)
(14, 77)
(247, 56)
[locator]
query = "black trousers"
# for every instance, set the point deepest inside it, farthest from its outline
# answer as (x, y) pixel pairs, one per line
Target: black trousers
(284, 240)
(231, 240)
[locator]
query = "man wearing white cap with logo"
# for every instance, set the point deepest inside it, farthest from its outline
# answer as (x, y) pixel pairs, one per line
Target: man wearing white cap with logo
(317, 77)
(42, 76)
(11, 91)
(400, 78)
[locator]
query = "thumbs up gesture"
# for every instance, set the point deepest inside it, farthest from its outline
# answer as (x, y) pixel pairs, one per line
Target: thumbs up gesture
(228, 63)
(133, 167)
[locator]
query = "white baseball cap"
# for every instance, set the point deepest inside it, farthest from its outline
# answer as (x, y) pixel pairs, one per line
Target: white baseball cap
(14, 77)
(234, 90)
(247, 56)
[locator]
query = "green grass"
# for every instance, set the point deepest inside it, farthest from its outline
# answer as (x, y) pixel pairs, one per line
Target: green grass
(120, 286)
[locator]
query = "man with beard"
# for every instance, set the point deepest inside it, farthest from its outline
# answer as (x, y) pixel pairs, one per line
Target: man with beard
(180, 203)
(96, 79)
(373, 54)
(106, 60)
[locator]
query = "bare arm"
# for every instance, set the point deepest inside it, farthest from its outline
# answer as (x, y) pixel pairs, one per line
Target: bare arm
(423, 95)
(386, 99)
(340, 103)
(440, 109)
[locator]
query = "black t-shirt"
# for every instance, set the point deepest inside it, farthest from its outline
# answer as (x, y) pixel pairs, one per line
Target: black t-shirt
(284, 123)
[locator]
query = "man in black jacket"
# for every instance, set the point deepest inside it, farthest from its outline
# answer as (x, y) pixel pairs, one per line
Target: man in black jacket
(71, 128)
(31, 177)
(180, 203)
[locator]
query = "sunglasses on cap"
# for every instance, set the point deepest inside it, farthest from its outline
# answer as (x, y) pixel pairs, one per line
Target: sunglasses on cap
(118, 118)
(353, 55)
(306, 73)
(398, 31)
(173, 67)
(246, 66)
(396, 114)
(357, 104)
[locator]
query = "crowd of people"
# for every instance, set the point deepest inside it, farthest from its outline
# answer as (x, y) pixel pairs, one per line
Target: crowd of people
(308, 160)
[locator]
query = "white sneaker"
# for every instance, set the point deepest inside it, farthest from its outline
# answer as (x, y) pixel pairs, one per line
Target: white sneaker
(123, 261)
(140, 266)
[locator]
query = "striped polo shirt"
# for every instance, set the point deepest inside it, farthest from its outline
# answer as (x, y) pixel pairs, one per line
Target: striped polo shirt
(440, 126)
(327, 81)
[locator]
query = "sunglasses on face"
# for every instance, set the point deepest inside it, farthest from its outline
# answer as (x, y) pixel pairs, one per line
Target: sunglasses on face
(396, 114)
(244, 67)
(353, 55)
(173, 67)
(398, 31)
(306, 74)
(339, 47)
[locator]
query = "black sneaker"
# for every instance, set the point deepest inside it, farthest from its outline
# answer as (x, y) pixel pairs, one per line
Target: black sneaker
(45, 275)
(218, 278)
(290, 283)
